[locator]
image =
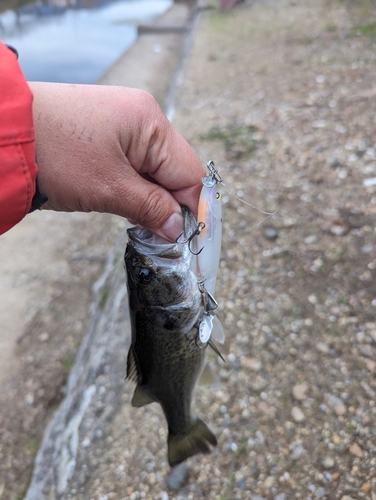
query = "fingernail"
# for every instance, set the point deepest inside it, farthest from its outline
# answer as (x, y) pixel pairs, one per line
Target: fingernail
(173, 227)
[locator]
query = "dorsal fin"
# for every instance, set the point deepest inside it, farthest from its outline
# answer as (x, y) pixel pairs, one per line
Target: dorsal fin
(132, 366)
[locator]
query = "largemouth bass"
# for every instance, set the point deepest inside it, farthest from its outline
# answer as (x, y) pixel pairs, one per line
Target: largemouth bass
(167, 302)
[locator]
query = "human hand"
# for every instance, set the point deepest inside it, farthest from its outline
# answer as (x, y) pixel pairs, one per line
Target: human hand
(111, 149)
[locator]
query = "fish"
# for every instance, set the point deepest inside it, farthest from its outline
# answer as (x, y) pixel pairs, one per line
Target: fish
(168, 305)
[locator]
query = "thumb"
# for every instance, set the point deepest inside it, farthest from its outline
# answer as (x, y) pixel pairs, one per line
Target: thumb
(154, 208)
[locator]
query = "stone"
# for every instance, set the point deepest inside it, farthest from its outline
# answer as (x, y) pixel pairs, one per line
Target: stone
(319, 493)
(177, 476)
(336, 404)
(297, 450)
(299, 391)
(297, 414)
(270, 233)
(328, 462)
(269, 482)
(356, 450)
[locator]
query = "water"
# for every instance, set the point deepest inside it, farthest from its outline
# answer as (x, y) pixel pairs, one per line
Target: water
(76, 45)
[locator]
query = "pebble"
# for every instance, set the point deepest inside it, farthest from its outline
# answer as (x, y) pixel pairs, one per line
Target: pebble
(43, 337)
(280, 496)
(299, 391)
(251, 364)
(297, 414)
(338, 228)
(322, 347)
(333, 162)
(270, 233)
(86, 442)
(176, 477)
(369, 182)
(319, 493)
(356, 450)
(269, 482)
(336, 404)
(328, 462)
(297, 450)
(309, 240)
(289, 222)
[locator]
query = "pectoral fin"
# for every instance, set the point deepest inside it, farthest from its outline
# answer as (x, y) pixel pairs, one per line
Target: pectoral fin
(141, 398)
(208, 377)
(218, 333)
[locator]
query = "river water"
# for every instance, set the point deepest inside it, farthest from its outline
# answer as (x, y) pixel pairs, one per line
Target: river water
(75, 45)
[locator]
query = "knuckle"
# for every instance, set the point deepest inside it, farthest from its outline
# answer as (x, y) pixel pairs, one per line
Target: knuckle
(152, 210)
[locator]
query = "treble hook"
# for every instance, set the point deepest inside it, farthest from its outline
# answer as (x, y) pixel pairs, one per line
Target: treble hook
(198, 342)
(213, 171)
(196, 232)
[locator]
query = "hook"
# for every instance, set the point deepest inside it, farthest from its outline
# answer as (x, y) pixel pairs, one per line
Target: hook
(196, 232)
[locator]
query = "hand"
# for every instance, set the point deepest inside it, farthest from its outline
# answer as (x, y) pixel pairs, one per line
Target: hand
(111, 149)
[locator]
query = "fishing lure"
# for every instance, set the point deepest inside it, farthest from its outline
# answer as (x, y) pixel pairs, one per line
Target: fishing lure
(209, 240)
(210, 236)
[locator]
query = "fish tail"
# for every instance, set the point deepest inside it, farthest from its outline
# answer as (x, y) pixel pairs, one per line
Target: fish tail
(195, 440)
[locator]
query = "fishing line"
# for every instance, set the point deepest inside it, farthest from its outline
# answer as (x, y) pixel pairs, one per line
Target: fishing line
(269, 214)
(214, 175)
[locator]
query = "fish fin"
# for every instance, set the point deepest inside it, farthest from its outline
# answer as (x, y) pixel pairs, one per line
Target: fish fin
(132, 366)
(196, 440)
(215, 349)
(141, 398)
(218, 332)
(208, 377)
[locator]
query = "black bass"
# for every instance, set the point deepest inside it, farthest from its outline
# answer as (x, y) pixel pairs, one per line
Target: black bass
(172, 319)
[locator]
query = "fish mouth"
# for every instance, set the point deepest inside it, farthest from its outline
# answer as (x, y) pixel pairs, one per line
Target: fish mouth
(144, 241)
(151, 244)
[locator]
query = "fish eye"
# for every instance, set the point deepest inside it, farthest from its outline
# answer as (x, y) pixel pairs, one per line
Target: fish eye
(218, 196)
(145, 275)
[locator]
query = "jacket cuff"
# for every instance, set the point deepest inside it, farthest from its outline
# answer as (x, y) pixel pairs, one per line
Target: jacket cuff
(39, 198)
(18, 168)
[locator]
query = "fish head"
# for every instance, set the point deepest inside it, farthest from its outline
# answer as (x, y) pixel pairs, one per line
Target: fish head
(161, 273)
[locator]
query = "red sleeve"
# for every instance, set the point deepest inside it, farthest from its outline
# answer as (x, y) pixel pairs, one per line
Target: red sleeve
(18, 169)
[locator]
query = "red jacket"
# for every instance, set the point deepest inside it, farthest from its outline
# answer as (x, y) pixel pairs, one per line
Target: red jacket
(18, 169)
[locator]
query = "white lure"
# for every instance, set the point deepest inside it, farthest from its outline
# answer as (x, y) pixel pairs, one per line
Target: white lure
(209, 241)
(210, 237)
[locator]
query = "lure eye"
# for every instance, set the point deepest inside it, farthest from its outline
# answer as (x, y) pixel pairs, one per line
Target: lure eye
(144, 275)
(218, 196)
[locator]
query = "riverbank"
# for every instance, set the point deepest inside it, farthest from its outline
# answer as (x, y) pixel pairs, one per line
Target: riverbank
(150, 64)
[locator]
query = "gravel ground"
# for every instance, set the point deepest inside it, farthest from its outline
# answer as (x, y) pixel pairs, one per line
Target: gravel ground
(281, 95)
